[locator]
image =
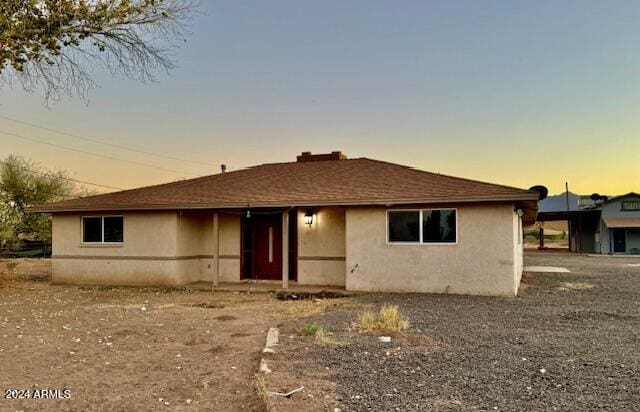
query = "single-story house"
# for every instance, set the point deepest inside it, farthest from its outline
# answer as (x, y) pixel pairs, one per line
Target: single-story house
(609, 225)
(359, 224)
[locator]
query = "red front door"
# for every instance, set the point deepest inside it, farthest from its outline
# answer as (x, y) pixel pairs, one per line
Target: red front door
(267, 246)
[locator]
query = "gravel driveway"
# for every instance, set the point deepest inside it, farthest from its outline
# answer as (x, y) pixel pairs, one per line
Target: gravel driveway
(570, 341)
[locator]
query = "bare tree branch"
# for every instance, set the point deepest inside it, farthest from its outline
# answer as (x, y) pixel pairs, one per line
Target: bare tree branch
(55, 45)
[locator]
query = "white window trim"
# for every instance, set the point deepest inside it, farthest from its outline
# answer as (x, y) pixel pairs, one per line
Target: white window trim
(101, 242)
(420, 242)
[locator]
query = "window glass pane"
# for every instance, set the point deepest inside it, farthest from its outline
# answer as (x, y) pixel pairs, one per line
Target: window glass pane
(439, 226)
(92, 229)
(404, 226)
(631, 205)
(113, 229)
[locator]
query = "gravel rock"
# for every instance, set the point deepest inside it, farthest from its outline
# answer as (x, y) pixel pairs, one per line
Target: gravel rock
(552, 348)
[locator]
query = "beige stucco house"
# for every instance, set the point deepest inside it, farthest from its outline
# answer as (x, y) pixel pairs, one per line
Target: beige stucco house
(361, 224)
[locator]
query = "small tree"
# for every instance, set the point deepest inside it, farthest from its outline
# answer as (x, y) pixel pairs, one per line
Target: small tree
(23, 184)
(55, 45)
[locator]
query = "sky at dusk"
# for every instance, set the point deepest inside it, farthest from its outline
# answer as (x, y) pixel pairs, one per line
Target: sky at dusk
(512, 92)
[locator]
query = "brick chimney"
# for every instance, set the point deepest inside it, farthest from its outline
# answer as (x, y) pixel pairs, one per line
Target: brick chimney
(308, 157)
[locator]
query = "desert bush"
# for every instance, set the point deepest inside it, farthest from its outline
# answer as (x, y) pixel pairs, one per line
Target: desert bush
(12, 267)
(308, 329)
(324, 338)
(388, 318)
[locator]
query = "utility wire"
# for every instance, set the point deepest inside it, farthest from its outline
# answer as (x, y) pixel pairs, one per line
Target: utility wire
(96, 154)
(88, 139)
(61, 177)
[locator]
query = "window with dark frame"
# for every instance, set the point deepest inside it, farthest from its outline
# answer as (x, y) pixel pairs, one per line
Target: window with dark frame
(630, 205)
(113, 229)
(439, 226)
(404, 226)
(92, 229)
(102, 229)
(422, 226)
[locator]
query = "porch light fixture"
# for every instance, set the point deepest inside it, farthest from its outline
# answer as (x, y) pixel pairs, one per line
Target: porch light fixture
(308, 217)
(248, 214)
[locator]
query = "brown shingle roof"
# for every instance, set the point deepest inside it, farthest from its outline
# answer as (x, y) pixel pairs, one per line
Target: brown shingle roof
(315, 183)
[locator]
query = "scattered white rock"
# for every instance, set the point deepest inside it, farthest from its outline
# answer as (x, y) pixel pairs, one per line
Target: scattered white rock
(273, 336)
(543, 370)
(546, 269)
(385, 339)
(264, 368)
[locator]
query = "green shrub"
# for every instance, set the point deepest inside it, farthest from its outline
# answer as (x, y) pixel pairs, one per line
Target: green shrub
(308, 329)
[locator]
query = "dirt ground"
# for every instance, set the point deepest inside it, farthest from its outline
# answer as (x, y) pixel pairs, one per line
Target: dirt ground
(130, 348)
(569, 342)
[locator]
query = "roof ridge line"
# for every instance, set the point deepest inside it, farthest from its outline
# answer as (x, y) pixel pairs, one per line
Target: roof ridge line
(447, 175)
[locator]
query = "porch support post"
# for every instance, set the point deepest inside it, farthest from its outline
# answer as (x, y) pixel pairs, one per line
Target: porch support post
(216, 250)
(285, 249)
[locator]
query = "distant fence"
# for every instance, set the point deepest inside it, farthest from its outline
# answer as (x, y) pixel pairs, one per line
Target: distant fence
(28, 249)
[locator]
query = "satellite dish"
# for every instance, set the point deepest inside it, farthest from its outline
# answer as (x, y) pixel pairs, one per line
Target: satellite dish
(542, 191)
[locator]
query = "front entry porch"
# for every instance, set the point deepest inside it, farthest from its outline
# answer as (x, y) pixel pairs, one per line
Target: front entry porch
(304, 246)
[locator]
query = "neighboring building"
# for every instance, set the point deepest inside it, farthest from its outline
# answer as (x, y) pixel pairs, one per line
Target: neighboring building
(619, 228)
(361, 224)
(611, 225)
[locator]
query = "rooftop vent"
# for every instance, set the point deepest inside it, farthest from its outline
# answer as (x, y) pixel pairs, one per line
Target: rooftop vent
(308, 157)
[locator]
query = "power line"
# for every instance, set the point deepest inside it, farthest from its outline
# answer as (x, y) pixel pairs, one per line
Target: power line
(88, 139)
(61, 177)
(96, 154)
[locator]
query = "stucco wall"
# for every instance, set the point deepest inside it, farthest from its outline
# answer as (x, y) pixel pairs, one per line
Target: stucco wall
(159, 248)
(195, 240)
(518, 249)
(172, 248)
(147, 255)
(229, 247)
(145, 234)
(482, 262)
(116, 272)
(322, 247)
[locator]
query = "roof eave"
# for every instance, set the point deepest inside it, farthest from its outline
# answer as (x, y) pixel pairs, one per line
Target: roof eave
(242, 205)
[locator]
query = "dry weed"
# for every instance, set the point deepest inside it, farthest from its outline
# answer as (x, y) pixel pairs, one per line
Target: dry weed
(388, 318)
